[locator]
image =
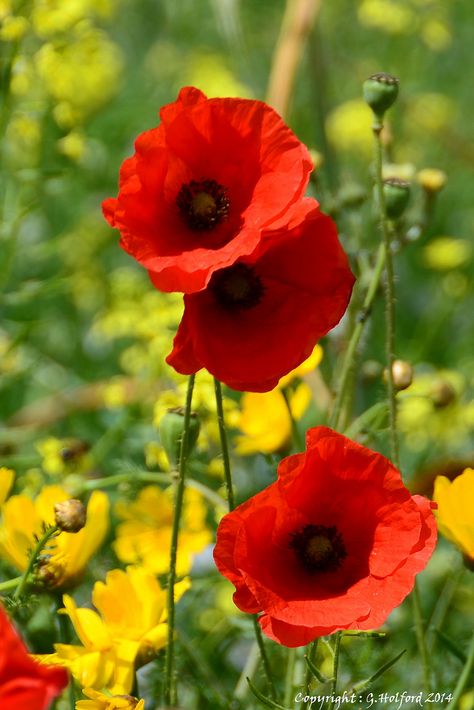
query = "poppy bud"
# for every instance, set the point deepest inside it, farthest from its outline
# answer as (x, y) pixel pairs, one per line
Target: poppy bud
(397, 195)
(380, 92)
(171, 432)
(70, 515)
(442, 394)
(402, 373)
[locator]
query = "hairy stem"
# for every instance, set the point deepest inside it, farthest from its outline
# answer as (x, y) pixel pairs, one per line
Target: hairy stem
(224, 445)
(170, 681)
(47, 535)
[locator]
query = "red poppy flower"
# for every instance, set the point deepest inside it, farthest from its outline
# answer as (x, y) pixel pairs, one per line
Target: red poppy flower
(203, 185)
(261, 317)
(334, 544)
(24, 684)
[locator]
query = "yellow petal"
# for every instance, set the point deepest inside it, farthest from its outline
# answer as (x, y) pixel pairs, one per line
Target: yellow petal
(80, 547)
(265, 423)
(88, 625)
(7, 476)
(310, 364)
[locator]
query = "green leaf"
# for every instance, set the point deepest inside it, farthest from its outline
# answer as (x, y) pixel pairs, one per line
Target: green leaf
(451, 646)
(263, 698)
(363, 685)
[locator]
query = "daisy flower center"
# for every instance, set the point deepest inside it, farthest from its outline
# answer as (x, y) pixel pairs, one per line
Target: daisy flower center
(237, 288)
(318, 548)
(203, 204)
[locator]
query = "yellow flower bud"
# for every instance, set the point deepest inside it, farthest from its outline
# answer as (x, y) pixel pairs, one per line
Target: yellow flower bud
(431, 179)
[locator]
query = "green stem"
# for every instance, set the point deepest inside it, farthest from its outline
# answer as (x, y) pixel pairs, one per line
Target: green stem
(289, 678)
(337, 649)
(224, 444)
(421, 638)
(295, 434)
(231, 503)
(47, 535)
(351, 352)
(10, 584)
(264, 657)
(308, 677)
(389, 291)
(463, 678)
(169, 686)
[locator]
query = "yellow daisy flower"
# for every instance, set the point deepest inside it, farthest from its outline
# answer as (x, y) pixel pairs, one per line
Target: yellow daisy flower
(128, 631)
(144, 536)
(68, 553)
(104, 701)
(455, 512)
(265, 420)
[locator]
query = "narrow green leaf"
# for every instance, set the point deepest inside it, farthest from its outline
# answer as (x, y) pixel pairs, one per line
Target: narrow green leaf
(363, 685)
(372, 419)
(263, 698)
(451, 646)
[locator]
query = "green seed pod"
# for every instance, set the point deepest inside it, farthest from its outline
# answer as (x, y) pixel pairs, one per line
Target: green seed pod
(380, 92)
(397, 195)
(171, 432)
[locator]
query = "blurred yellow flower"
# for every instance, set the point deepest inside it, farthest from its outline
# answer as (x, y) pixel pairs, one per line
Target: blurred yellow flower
(208, 72)
(265, 421)
(81, 75)
(436, 34)
(431, 179)
(68, 553)
(61, 456)
(455, 512)
(430, 113)
(7, 477)
(349, 127)
(128, 631)
(145, 535)
(13, 28)
(445, 253)
(105, 701)
(73, 145)
(50, 17)
(389, 15)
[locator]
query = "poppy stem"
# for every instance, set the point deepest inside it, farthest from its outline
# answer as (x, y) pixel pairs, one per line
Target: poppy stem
(351, 352)
(170, 680)
(231, 503)
(337, 648)
(224, 445)
(33, 559)
(289, 678)
(308, 677)
(420, 637)
(264, 657)
(389, 290)
(297, 439)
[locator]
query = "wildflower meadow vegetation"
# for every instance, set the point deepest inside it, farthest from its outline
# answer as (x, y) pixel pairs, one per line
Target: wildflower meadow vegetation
(236, 355)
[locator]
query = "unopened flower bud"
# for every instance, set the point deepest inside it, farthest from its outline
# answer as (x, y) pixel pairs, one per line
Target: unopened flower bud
(70, 515)
(380, 92)
(371, 370)
(402, 373)
(171, 432)
(397, 195)
(317, 158)
(442, 394)
(432, 180)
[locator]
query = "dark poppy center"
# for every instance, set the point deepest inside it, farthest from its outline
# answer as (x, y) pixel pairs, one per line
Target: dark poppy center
(203, 204)
(237, 288)
(318, 548)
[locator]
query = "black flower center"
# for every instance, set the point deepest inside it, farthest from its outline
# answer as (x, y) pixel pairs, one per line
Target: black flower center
(203, 204)
(318, 548)
(237, 288)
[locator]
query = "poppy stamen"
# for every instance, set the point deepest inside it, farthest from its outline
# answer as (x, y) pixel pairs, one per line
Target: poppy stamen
(203, 204)
(318, 548)
(237, 288)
